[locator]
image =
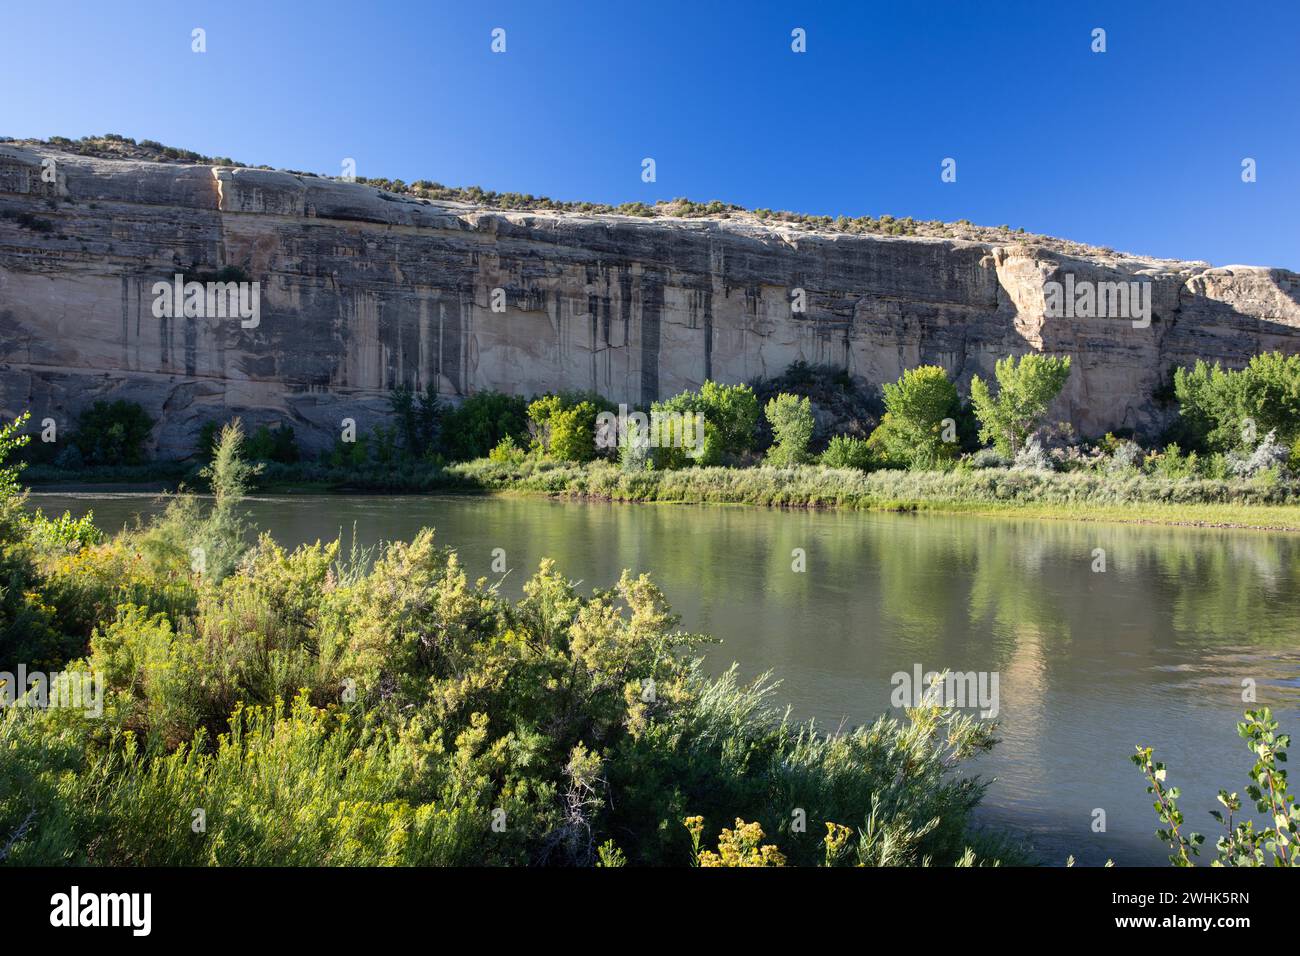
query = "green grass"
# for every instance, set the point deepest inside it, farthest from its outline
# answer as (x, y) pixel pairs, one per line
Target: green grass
(1074, 496)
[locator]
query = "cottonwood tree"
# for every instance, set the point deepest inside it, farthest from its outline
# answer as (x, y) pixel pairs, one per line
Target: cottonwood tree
(1026, 387)
(916, 409)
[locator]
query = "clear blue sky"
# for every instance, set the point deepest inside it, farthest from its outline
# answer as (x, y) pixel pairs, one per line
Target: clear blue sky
(1139, 148)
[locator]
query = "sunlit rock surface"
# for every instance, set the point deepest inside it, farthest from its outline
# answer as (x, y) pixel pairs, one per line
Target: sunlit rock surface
(362, 290)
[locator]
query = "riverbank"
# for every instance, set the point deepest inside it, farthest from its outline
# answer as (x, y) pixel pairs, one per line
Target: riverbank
(1075, 496)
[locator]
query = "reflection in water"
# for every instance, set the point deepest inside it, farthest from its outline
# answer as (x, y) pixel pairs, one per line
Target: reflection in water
(1154, 650)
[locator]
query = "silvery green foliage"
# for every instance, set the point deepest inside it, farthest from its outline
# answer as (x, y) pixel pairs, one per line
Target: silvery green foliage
(1127, 457)
(1033, 457)
(1269, 454)
(988, 458)
(634, 449)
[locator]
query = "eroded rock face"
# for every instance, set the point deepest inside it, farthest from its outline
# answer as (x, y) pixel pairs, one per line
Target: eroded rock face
(362, 290)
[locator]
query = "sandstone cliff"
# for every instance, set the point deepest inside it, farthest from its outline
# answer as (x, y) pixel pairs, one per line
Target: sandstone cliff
(362, 289)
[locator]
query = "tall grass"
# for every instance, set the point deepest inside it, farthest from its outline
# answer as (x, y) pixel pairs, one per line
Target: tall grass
(814, 486)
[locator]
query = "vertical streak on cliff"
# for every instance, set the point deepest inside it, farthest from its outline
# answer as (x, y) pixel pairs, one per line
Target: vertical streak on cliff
(450, 343)
(423, 367)
(126, 326)
(606, 317)
(625, 306)
(191, 346)
(708, 334)
(652, 305)
(596, 351)
(461, 352)
(717, 274)
(442, 322)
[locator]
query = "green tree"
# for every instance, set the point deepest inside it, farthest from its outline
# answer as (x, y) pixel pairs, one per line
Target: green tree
(419, 418)
(1222, 409)
(273, 444)
(920, 424)
(573, 433)
(792, 423)
(845, 451)
(730, 418)
(564, 424)
(112, 433)
(1026, 387)
(477, 424)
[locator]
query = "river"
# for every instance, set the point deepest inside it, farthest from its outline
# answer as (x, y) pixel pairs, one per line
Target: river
(1088, 663)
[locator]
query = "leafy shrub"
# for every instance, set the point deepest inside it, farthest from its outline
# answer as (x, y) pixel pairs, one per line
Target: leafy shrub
(477, 425)
(920, 424)
(845, 451)
(791, 419)
(1219, 410)
(219, 541)
(1126, 458)
(1033, 457)
(507, 452)
(564, 425)
(730, 418)
(350, 455)
(113, 433)
(1026, 387)
(272, 444)
(1270, 456)
(634, 448)
(1172, 463)
(988, 458)
(1242, 844)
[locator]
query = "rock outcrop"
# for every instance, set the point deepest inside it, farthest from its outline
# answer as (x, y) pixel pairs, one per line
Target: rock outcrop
(361, 290)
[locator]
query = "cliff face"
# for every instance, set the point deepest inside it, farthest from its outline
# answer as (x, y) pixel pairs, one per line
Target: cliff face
(362, 290)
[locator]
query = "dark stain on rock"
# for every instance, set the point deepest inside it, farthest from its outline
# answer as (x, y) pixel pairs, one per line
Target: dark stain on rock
(652, 306)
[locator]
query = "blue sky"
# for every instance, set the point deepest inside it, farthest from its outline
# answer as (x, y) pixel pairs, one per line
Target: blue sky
(1138, 148)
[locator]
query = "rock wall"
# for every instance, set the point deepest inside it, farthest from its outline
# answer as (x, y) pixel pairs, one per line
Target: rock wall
(362, 290)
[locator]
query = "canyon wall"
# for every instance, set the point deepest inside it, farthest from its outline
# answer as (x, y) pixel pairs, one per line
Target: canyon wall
(362, 290)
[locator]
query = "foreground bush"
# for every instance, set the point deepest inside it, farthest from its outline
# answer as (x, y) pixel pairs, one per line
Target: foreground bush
(1243, 843)
(268, 707)
(442, 724)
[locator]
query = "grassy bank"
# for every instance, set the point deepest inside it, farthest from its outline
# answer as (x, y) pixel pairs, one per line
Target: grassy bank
(995, 491)
(1075, 496)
